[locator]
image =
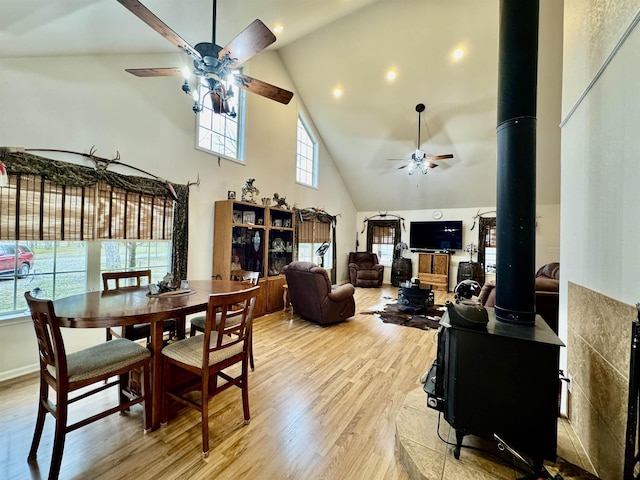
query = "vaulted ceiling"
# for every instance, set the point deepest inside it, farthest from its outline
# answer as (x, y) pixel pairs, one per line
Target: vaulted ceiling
(350, 44)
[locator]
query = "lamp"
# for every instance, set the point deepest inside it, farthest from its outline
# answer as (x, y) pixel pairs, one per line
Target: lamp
(219, 92)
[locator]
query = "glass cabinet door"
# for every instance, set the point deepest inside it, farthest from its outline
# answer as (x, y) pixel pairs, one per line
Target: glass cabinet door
(280, 250)
(247, 250)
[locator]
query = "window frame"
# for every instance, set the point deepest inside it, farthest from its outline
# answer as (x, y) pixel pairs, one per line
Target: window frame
(48, 282)
(240, 94)
(393, 225)
(302, 121)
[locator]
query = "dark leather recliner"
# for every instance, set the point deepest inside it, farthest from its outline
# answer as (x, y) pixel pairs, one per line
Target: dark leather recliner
(365, 270)
(314, 298)
(547, 284)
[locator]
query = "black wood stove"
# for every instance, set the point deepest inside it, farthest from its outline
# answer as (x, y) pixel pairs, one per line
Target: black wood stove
(499, 382)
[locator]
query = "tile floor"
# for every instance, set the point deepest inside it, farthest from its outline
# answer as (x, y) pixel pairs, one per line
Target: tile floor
(424, 455)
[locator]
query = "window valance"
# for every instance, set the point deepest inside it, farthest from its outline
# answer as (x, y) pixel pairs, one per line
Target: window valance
(54, 200)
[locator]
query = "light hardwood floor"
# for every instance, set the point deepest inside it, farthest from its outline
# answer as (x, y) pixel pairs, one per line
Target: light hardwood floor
(323, 406)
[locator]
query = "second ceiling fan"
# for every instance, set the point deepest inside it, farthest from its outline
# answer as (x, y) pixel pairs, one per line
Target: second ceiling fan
(214, 63)
(419, 160)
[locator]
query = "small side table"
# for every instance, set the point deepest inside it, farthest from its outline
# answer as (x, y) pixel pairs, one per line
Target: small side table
(285, 298)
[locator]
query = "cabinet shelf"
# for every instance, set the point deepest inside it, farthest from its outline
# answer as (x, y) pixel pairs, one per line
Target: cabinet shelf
(239, 245)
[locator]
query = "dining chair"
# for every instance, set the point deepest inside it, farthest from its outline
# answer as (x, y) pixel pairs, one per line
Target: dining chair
(197, 323)
(66, 373)
(208, 356)
(111, 281)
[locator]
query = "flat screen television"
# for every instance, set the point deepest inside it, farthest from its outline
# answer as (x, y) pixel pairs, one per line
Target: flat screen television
(442, 235)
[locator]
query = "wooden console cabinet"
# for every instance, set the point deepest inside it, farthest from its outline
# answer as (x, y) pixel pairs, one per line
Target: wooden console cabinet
(433, 270)
(251, 237)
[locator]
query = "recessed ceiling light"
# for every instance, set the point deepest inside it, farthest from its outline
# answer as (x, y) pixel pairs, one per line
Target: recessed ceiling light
(337, 92)
(391, 75)
(458, 53)
(278, 29)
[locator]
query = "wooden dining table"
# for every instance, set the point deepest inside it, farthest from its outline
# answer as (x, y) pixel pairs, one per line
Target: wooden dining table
(133, 305)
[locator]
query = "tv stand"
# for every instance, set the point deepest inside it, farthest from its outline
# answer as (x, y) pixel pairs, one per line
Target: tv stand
(433, 270)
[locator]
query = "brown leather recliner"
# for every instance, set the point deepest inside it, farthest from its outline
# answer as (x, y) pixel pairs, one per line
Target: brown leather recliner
(547, 284)
(365, 270)
(314, 298)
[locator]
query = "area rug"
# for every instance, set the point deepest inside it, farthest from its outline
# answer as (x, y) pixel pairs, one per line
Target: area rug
(391, 314)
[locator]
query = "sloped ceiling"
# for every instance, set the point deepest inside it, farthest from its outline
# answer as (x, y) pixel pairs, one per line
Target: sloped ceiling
(350, 44)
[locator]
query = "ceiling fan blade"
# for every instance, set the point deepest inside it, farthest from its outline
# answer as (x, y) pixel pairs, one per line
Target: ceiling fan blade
(253, 39)
(155, 72)
(265, 89)
(403, 166)
(147, 16)
(439, 157)
(430, 165)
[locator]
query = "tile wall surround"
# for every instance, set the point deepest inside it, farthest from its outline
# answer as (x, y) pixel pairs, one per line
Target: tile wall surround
(598, 352)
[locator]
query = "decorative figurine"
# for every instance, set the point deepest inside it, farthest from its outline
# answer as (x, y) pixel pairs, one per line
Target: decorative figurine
(280, 202)
(250, 192)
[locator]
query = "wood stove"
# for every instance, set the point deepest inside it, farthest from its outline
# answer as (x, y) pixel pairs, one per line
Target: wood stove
(500, 380)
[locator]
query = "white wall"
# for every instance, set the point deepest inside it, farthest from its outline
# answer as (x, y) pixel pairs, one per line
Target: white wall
(74, 103)
(547, 234)
(599, 215)
(600, 145)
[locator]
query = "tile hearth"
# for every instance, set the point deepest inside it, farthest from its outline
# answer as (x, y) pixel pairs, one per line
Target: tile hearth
(426, 456)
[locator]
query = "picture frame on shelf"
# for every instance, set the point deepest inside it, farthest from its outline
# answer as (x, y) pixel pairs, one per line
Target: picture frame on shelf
(249, 217)
(286, 223)
(237, 216)
(231, 195)
(277, 222)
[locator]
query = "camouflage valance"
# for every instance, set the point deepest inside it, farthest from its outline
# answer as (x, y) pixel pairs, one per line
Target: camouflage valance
(73, 175)
(60, 200)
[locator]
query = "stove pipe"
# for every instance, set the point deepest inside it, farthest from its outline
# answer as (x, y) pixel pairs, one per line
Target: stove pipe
(516, 164)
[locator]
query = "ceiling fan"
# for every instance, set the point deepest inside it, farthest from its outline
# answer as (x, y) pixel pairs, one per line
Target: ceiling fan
(213, 63)
(419, 159)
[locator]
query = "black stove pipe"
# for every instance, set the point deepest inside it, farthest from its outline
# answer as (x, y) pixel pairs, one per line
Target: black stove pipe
(516, 163)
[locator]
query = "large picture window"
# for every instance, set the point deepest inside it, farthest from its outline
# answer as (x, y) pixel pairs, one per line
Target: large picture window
(63, 224)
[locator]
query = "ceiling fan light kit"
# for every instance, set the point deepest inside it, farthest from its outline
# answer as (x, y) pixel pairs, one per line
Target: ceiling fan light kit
(419, 160)
(212, 63)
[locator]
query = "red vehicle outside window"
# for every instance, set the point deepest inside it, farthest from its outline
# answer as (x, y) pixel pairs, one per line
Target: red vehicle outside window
(9, 264)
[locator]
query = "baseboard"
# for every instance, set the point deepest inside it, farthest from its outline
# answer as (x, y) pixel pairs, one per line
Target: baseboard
(18, 372)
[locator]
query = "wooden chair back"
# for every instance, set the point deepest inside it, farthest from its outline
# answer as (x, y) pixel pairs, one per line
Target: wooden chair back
(252, 277)
(137, 275)
(50, 344)
(224, 321)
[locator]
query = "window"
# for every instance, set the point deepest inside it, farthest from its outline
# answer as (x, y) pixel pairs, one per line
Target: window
(219, 133)
(58, 238)
(62, 268)
(312, 235)
(306, 157)
(382, 237)
(136, 255)
(488, 247)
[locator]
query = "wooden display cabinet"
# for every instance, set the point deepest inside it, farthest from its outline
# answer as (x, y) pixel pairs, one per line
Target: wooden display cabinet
(251, 237)
(433, 270)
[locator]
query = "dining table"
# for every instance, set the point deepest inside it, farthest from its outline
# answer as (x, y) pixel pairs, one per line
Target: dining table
(135, 305)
